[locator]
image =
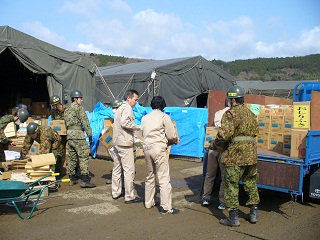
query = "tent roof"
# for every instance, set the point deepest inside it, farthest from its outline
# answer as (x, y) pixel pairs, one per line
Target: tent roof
(271, 88)
(63, 70)
(10, 37)
(179, 80)
(149, 66)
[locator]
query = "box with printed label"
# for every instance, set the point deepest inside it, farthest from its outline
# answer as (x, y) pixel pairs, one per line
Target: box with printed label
(288, 124)
(107, 138)
(265, 111)
(287, 110)
(263, 140)
(276, 141)
(298, 143)
(301, 115)
(277, 111)
(277, 124)
(59, 126)
(34, 150)
(286, 144)
(264, 122)
(108, 122)
(211, 134)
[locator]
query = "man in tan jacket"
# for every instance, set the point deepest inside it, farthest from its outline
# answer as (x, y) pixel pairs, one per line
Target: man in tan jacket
(158, 133)
(123, 147)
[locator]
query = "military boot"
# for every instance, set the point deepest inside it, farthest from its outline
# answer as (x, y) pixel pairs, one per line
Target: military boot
(253, 215)
(85, 182)
(73, 180)
(232, 220)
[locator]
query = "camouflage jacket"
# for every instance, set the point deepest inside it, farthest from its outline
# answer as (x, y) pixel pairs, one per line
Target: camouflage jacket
(57, 115)
(239, 121)
(48, 139)
(3, 123)
(75, 115)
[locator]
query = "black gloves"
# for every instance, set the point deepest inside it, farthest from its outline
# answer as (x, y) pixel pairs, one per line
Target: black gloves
(90, 140)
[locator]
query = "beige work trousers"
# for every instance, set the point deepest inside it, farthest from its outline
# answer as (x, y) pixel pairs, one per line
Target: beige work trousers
(123, 162)
(212, 168)
(157, 163)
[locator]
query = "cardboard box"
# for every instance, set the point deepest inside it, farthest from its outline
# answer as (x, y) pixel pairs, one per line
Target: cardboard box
(5, 176)
(286, 144)
(59, 126)
(277, 124)
(10, 130)
(108, 122)
(276, 141)
(34, 150)
(211, 134)
(40, 108)
(44, 121)
(288, 124)
(298, 143)
(301, 115)
(264, 122)
(278, 111)
(26, 101)
(42, 160)
(102, 151)
(287, 110)
(107, 138)
(263, 140)
(265, 111)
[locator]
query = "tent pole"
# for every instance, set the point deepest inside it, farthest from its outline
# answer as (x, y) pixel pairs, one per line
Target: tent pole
(104, 81)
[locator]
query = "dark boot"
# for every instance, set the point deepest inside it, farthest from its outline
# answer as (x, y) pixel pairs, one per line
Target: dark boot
(85, 182)
(232, 220)
(253, 216)
(73, 180)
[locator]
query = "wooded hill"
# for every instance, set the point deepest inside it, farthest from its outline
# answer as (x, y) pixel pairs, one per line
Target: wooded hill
(265, 69)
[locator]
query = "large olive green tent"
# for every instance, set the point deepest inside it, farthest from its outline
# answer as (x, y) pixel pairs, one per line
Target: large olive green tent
(183, 82)
(31, 68)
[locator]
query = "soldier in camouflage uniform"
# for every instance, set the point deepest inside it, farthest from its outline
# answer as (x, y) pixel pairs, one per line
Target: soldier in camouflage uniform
(57, 113)
(236, 137)
(19, 117)
(77, 121)
(49, 140)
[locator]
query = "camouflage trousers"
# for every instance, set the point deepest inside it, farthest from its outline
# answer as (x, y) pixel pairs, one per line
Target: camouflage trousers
(60, 155)
(249, 177)
(78, 156)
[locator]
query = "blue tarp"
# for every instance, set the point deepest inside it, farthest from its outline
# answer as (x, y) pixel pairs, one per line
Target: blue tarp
(190, 123)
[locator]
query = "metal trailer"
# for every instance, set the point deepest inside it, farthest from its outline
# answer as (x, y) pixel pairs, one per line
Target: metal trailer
(294, 175)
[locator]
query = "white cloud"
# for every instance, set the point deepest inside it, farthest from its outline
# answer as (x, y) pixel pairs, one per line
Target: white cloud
(89, 48)
(112, 27)
(83, 7)
(309, 41)
(225, 27)
(45, 34)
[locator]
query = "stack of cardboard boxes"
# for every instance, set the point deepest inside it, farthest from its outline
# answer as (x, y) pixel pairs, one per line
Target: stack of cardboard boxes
(283, 128)
(37, 110)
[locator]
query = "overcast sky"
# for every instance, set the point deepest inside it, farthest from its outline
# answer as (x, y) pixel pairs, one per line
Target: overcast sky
(163, 29)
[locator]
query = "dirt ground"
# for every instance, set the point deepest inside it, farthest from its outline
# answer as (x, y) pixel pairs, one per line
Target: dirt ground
(75, 213)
